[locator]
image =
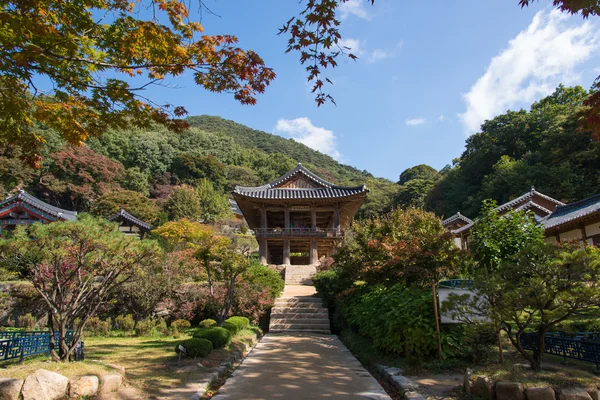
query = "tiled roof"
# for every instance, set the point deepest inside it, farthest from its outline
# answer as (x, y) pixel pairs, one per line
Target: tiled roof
(463, 228)
(572, 211)
(327, 191)
(456, 217)
(527, 196)
(530, 204)
(128, 217)
(41, 205)
(235, 208)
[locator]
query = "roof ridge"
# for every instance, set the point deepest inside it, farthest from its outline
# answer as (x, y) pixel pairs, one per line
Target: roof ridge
(125, 214)
(42, 205)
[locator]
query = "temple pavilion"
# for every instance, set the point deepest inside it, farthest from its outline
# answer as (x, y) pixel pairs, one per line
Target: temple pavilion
(299, 216)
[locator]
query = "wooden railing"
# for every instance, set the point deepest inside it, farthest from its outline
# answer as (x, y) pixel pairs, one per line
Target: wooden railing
(299, 232)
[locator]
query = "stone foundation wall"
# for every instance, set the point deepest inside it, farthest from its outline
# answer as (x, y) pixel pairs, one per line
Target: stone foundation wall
(483, 387)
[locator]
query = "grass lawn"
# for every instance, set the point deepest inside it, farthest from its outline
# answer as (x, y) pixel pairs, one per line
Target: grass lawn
(150, 363)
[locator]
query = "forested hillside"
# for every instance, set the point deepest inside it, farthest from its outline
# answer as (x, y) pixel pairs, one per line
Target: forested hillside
(545, 147)
(211, 157)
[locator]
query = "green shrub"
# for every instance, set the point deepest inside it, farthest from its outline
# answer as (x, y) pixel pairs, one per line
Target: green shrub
(261, 277)
(240, 322)
(160, 326)
(173, 331)
(329, 284)
(399, 320)
(125, 323)
(27, 321)
(208, 323)
(219, 337)
(180, 324)
(233, 328)
(144, 327)
(196, 347)
(581, 325)
(96, 327)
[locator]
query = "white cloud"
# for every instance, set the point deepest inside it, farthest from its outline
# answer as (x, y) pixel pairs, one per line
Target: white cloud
(302, 130)
(415, 121)
(355, 8)
(353, 46)
(442, 118)
(381, 54)
(534, 63)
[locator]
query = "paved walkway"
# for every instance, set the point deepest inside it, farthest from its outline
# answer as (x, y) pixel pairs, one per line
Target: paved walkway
(294, 366)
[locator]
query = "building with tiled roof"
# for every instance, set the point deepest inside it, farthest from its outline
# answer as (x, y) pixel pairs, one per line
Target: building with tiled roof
(298, 216)
(577, 221)
(25, 209)
(130, 225)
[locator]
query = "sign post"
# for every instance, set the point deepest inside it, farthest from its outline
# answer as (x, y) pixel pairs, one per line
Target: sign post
(182, 350)
(437, 319)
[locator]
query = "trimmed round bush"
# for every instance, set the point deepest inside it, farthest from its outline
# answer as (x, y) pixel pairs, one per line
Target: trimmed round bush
(208, 323)
(196, 347)
(220, 337)
(181, 324)
(231, 327)
(240, 322)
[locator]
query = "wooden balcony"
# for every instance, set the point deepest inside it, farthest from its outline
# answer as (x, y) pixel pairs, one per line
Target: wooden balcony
(298, 232)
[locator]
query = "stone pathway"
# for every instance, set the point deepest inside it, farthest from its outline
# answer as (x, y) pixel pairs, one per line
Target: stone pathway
(300, 366)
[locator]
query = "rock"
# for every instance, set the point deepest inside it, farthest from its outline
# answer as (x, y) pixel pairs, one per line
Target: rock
(467, 381)
(405, 383)
(119, 368)
(45, 385)
(10, 388)
(414, 396)
(572, 394)
(86, 385)
(110, 383)
(594, 394)
(539, 393)
(509, 391)
(483, 387)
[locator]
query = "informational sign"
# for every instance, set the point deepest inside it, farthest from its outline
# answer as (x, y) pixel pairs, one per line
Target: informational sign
(182, 349)
(300, 208)
(458, 287)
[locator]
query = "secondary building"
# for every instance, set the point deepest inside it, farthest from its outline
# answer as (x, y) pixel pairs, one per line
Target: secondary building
(298, 217)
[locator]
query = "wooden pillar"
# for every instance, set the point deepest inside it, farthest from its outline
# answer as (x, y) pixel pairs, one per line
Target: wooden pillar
(313, 216)
(263, 250)
(286, 219)
(263, 218)
(314, 252)
(286, 252)
(336, 219)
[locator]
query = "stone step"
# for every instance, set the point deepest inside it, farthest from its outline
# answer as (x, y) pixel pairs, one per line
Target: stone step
(321, 331)
(298, 302)
(307, 282)
(295, 316)
(313, 299)
(287, 310)
(299, 307)
(299, 326)
(302, 321)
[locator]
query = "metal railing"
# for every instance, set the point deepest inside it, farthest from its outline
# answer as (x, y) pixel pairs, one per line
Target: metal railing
(581, 346)
(299, 232)
(24, 344)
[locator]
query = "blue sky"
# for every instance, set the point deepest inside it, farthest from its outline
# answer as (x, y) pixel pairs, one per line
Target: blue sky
(427, 76)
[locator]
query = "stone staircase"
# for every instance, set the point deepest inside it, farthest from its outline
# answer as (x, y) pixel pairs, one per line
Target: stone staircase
(299, 274)
(299, 314)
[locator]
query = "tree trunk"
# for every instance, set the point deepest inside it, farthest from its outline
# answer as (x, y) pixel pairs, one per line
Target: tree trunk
(209, 277)
(499, 339)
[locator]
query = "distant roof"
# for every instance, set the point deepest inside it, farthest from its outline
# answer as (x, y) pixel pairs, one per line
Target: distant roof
(531, 204)
(325, 190)
(456, 217)
(235, 208)
(39, 204)
(130, 218)
(528, 196)
(572, 211)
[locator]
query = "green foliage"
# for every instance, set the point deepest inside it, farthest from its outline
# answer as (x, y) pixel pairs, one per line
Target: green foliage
(136, 180)
(330, 284)
(134, 203)
(213, 204)
(409, 246)
(207, 323)
(219, 337)
(233, 328)
(183, 202)
(97, 327)
(180, 324)
(261, 277)
(144, 327)
(196, 347)
(125, 323)
(27, 321)
(399, 320)
(422, 172)
(240, 322)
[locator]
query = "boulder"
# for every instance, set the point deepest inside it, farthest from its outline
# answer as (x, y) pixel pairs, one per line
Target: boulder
(86, 385)
(540, 393)
(45, 385)
(483, 387)
(467, 381)
(594, 394)
(10, 388)
(509, 391)
(110, 383)
(572, 394)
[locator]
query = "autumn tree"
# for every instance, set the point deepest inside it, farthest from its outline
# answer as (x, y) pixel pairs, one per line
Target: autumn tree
(133, 202)
(183, 202)
(75, 266)
(77, 176)
(213, 204)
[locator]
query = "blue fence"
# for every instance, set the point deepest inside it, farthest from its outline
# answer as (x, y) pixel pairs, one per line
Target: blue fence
(583, 346)
(24, 344)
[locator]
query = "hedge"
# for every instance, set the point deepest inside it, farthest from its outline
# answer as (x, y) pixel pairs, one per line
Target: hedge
(240, 322)
(208, 323)
(196, 347)
(220, 337)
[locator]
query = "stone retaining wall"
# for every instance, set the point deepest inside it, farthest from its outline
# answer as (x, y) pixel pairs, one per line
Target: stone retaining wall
(483, 387)
(48, 385)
